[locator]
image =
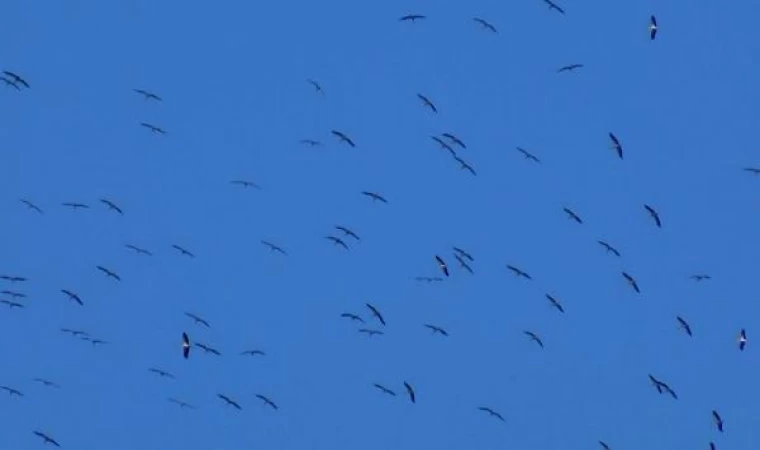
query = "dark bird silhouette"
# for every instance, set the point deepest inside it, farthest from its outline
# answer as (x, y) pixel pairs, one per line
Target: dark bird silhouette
(454, 139)
(47, 439)
(652, 27)
(700, 277)
(632, 282)
(16, 78)
(11, 304)
(534, 337)
(442, 265)
(609, 248)
(369, 332)
(109, 273)
(348, 232)
(712, 446)
(13, 294)
(73, 296)
(444, 145)
(554, 6)
(375, 196)
(153, 128)
(181, 403)
(555, 303)
(208, 349)
(742, 339)
(604, 445)
(491, 412)
(353, 317)
(463, 254)
(138, 250)
(376, 313)
(686, 327)
(528, 155)
(426, 101)
(437, 329)
(519, 272)
(572, 215)
(485, 24)
(31, 205)
(267, 401)
(752, 170)
(229, 401)
(662, 387)
(46, 383)
(464, 165)
(343, 138)
(412, 17)
(183, 251)
(410, 391)
(111, 206)
(384, 389)
(13, 278)
(274, 248)
(254, 353)
(94, 341)
(246, 184)
(616, 145)
(310, 142)
(74, 333)
(11, 83)
(148, 95)
(317, 86)
(654, 215)
(161, 373)
(198, 320)
(462, 263)
(337, 241)
(569, 68)
(75, 206)
(185, 345)
(12, 391)
(718, 420)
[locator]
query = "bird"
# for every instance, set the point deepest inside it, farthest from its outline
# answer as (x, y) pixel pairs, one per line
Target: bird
(208, 349)
(46, 383)
(519, 272)
(718, 420)
(384, 389)
(437, 329)
(654, 215)
(72, 296)
(604, 445)
(426, 101)
(153, 128)
(183, 251)
(161, 373)
(274, 247)
(138, 250)
(16, 78)
(310, 142)
(632, 282)
(31, 205)
(700, 277)
(181, 403)
(554, 6)
(485, 24)
(686, 327)
(111, 206)
(534, 337)
(555, 303)
(463, 254)
(464, 165)
(462, 263)
(616, 145)
(109, 273)
(11, 83)
(376, 313)
(148, 95)
(369, 332)
(253, 353)
(652, 27)
(74, 333)
(317, 86)
(347, 232)
(454, 139)
(444, 145)
(46, 439)
(12, 304)
(229, 401)
(375, 196)
(246, 184)
(572, 215)
(198, 319)
(410, 391)
(609, 248)
(13, 278)
(528, 155)
(742, 339)
(12, 391)
(491, 412)
(267, 401)
(442, 265)
(712, 445)
(753, 170)
(13, 294)
(661, 386)
(337, 241)
(353, 317)
(343, 138)
(75, 206)
(412, 17)
(185, 345)
(569, 68)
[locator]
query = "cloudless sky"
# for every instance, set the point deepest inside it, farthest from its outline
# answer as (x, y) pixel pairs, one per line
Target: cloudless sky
(236, 103)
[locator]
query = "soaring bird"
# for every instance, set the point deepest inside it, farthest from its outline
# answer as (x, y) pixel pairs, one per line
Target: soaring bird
(46, 439)
(742, 339)
(528, 155)
(444, 145)
(463, 253)
(183, 251)
(73, 296)
(47, 383)
(16, 78)
(310, 142)
(267, 401)
(274, 247)
(384, 389)
(632, 282)
(253, 353)
(718, 420)
(555, 303)
(454, 139)
(410, 391)
(700, 277)
(485, 24)
(148, 95)
(353, 317)
(437, 329)
(13, 294)
(11, 304)
(534, 337)
(462, 263)
(609, 248)
(412, 17)
(752, 170)
(138, 250)
(370, 332)
(161, 373)
(181, 403)
(317, 86)
(75, 205)
(109, 273)
(198, 320)
(569, 68)
(111, 205)
(426, 101)
(229, 401)
(654, 215)
(604, 445)
(347, 232)
(208, 349)
(683, 324)
(572, 215)
(491, 412)
(375, 196)
(337, 241)
(464, 165)
(10, 82)
(343, 138)
(554, 6)
(661, 386)
(616, 145)
(442, 265)
(246, 184)
(652, 27)
(376, 313)
(12, 391)
(185, 345)
(519, 272)
(31, 205)
(13, 278)
(153, 128)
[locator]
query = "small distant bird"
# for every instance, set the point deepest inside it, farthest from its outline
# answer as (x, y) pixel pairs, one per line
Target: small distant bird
(718, 420)
(13, 294)
(10, 82)
(683, 324)
(554, 6)
(94, 341)
(462, 263)
(412, 17)
(253, 353)
(370, 332)
(31, 205)
(11, 304)
(138, 250)
(573, 215)
(661, 386)
(74, 333)
(410, 391)
(181, 403)
(12, 278)
(528, 155)
(274, 248)
(347, 232)
(700, 277)
(569, 68)
(712, 446)
(604, 445)
(426, 101)
(555, 303)
(752, 170)
(610, 249)
(246, 184)
(46, 383)
(652, 27)
(109, 273)
(17, 79)
(444, 145)
(519, 272)
(376, 313)
(463, 253)
(337, 241)
(491, 412)
(185, 345)
(73, 296)
(267, 401)
(75, 206)
(464, 165)
(375, 196)
(46, 439)
(742, 339)
(12, 391)
(208, 349)
(343, 138)
(442, 265)
(111, 206)
(153, 128)
(161, 373)
(632, 282)
(353, 317)
(317, 86)
(616, 145)
(485, 24)
(454, 139)
(384, 389)
(654, 215)
(310, 142)
(148, 95)
(534, 337)
(437, 329)
(198, 319)
(183, 251)
(229, 401)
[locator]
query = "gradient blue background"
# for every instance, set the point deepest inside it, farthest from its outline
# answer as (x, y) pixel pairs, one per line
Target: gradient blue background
(236, 103)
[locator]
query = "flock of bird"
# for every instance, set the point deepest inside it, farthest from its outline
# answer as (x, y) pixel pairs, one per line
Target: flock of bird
(374, 323)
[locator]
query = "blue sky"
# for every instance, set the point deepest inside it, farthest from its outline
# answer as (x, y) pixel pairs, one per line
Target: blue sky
(235, 105)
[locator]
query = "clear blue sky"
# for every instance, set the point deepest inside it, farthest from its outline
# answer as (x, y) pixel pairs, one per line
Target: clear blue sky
(236, 103)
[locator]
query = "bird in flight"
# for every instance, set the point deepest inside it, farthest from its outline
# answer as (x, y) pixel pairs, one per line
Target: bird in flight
(683, 324)
(229, 401)
(31, 205)
(412, 17)
(654, 215)
(718, 420)
(410, 391)
(198, 319)
(111, 206)
(161, 373)
(454, 139)
(485, 24)
(742, 339)
(700, 277)
(11, 304)
(46, 383)
(310, 142)
(632, 282)
(148, 95)
(109, 273)
(347, 232)
(253, 353)
(376, 313)
(426, 101)
(491, 412)
(375, 196)
(463, 253)
(572, 215)
(609, 248)
(569, 68)
(519, 272)
(752, 170)
(337, 241)
(534, 337)
(528, 155)
(16, 78)
(616, 145)
(464, 165)
(370, 332)
(604, 445)
(353, 317)
(14, 294)
(462, 263)
(663, 387)
(153, 128)
(442, 265)
(183, 251)
(185, 345)
(12, 391)
(181, 403)
(554, 6)
(12, 278)
(267, 401)
(444, 145)
(437, 329)
(652, 27)
(10, 82)
(208, 349)
(75, 206)
(555, 303)
(138, 250)
(246, 184)
(72, 296)
(317, 86)
(384, 389)
(343, 138)
(46, 439)
(273, 247)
